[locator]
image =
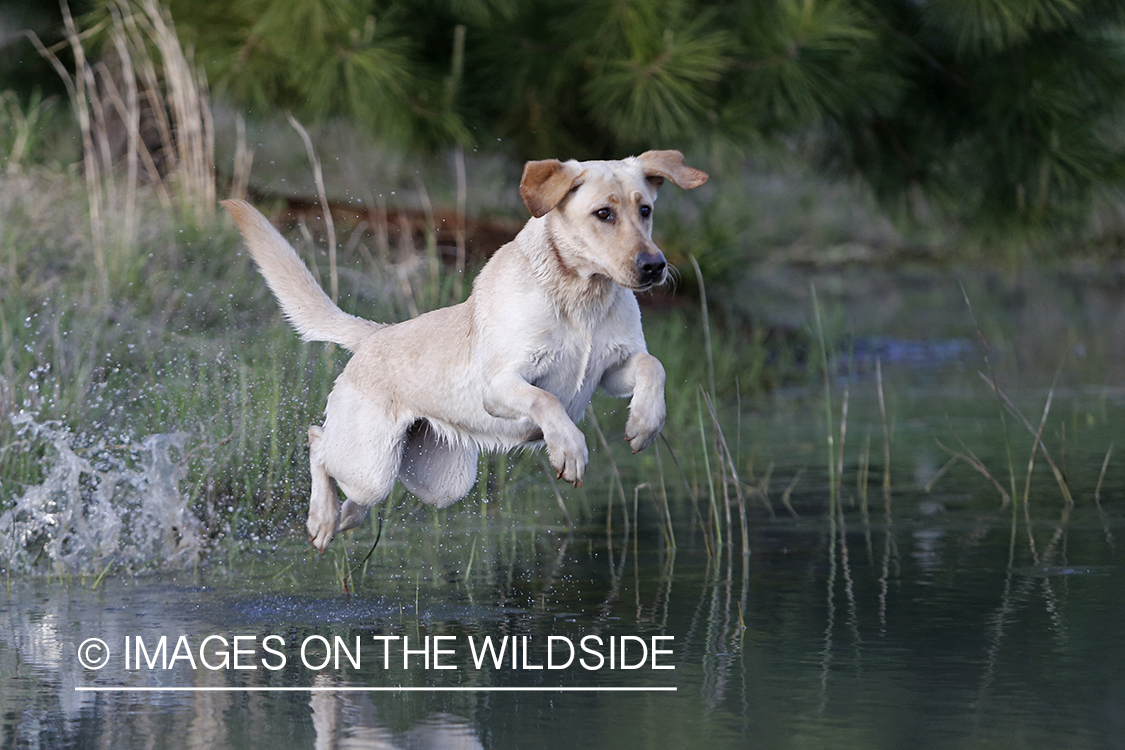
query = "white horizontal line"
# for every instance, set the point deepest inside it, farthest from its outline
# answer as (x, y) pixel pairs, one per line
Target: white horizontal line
(361, 689)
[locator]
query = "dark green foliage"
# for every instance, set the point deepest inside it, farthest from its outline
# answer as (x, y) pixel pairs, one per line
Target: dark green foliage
(1005, 112)
(21, 68)
(988, 110)
(317, 57)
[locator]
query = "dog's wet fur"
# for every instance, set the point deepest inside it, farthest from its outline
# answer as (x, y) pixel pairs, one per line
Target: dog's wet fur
(552, 316)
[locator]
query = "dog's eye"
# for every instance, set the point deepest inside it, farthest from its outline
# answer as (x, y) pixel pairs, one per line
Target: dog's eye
(646, 211)
(605, 214)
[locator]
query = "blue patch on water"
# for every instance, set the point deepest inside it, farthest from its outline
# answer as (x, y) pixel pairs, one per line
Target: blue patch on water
(910, 352)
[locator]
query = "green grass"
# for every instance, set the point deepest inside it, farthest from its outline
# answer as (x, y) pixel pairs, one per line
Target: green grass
(186, 338)
(151, 319)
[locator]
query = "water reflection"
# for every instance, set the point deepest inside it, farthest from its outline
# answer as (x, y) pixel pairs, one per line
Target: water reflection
(349, 721)
(809, 633)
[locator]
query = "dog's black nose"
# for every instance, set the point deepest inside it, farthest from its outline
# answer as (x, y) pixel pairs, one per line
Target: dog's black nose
(650, 267)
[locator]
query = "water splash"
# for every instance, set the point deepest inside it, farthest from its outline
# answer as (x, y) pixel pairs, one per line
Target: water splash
(101, 506)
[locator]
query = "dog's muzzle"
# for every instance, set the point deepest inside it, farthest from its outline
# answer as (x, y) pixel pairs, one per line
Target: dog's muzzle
(651, 268)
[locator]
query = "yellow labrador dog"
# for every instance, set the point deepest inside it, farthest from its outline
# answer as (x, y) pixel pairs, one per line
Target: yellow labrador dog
(552, 316)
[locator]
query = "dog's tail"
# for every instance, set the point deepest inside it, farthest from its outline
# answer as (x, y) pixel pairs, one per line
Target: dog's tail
(315, 316)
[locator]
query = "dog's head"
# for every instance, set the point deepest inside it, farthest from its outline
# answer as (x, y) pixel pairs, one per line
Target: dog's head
(599, 213)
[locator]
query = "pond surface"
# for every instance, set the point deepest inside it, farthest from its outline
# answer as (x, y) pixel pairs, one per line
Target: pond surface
(916, 634)
(933, 615)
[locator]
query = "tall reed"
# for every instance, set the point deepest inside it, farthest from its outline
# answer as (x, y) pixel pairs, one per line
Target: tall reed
(326, 209)
(152, 83)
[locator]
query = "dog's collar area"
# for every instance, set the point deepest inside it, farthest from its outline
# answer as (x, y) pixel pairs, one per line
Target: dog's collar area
(557, 255)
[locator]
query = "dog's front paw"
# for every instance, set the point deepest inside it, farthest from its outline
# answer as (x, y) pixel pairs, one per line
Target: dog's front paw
(644, 425)
(568, 455)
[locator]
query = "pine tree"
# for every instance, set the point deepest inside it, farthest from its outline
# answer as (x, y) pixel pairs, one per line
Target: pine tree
(318, 58)
(996, 110)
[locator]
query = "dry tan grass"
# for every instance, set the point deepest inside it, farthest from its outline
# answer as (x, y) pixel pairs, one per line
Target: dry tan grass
(145, 80)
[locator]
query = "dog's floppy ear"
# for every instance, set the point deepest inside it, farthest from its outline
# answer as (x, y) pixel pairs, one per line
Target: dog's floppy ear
(661, 165)
(545, 183)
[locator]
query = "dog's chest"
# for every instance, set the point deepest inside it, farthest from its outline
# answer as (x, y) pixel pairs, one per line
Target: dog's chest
(570, 364)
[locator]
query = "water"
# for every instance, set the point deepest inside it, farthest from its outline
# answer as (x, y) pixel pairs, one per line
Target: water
(101, 506)
(917, 633)
(935, 616)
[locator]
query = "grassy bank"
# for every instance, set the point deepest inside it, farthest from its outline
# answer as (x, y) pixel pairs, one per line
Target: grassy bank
(180, 335)
(181, 338)
(128, 309)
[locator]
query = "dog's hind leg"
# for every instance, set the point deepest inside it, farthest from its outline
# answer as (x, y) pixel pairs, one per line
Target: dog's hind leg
(352, 514)
(436, 471)
(324, 506)
(360, 449)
